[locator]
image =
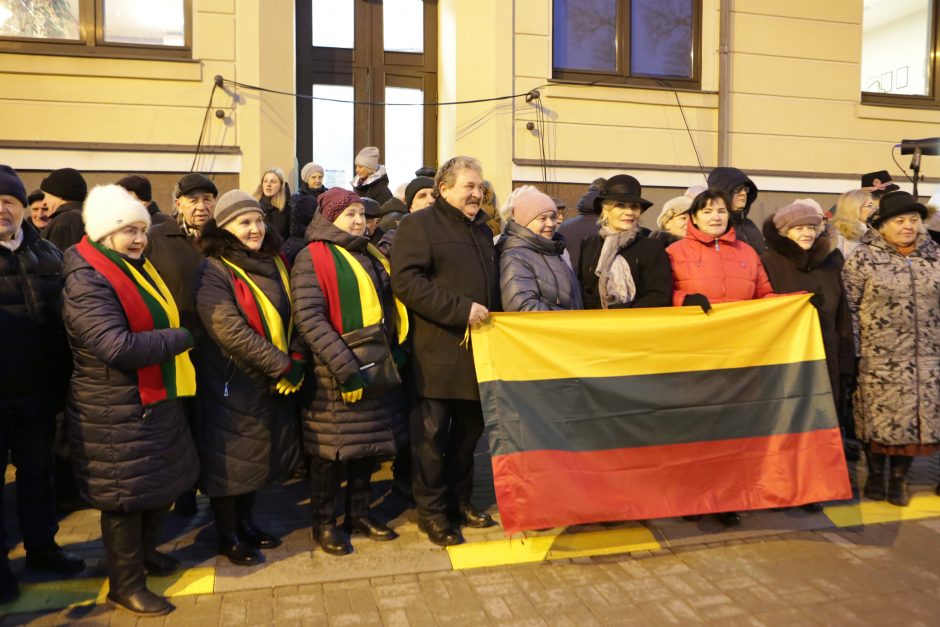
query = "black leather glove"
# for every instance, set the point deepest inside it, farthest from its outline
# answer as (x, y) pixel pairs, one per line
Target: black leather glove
(700, 300)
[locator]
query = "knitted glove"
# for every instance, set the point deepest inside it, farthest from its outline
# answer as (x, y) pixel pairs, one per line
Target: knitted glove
(352, 389)
(697, 299)
(283, 386)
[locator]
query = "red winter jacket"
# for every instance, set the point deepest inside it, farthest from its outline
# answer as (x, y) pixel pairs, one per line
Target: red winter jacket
(723, 269)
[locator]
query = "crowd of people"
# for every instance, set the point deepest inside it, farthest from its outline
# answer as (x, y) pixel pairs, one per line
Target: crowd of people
(250, 338)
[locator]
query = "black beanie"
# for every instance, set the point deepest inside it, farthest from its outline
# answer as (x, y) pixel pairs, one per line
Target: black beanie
(11, 185)
(67, 184)
(138, 184)
(415, 186)
(34, 196)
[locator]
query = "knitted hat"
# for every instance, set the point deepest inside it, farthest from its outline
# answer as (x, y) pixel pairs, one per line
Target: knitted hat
(894, 204)
(66, 183)
(529, 205)
(674, 207)
(307, 171)
(415, 186)
(372, 207)
(334, 201)
(368, 157)
(140, 185)
(11, 185)
(234, 203)
(34, 196)
(797, 213)
(193, 182)
(109, 208)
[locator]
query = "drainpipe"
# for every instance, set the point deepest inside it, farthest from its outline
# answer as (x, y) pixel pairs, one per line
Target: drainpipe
(724, 82)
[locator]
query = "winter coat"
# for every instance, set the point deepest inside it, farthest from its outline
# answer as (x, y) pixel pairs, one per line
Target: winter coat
(157, 217)
(726, 179)
(332, 429)
(818, 270)
(375, 187)
(277, 220)
(723, 269)
(533, 276)
(443, 262)
(391, 213)
(667, 238)
(66, 227)
(176, 256)
(304, 190)
(893, 300)
(246, 433)
(575, 231)
(301, 215)
(125, 456)
(34, 350)
(649, 267)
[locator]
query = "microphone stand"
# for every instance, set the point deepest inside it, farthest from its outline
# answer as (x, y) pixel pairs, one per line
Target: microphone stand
(915, 168)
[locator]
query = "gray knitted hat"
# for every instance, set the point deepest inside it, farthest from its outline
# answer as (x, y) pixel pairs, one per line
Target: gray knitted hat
(233, 204)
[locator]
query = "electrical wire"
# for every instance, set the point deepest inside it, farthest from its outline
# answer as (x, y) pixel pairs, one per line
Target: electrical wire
(202, 132)
(900, 167)
(688, 130)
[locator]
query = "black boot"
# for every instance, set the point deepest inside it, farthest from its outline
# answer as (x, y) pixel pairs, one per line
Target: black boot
(121, 533)
(246, 528)
(332, 540)
(155, 562)
(875, 484)
(185, 505)
(897, 483)
(231, 545)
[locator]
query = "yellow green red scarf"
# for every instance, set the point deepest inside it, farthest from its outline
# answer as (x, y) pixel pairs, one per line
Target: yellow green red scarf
(148, 305)
(260, 312)
(351, 298)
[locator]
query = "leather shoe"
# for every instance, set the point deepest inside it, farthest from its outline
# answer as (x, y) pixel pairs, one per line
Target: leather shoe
(55, 559)
(255, 537)
(729, 519)
(332, 540)
(370, 528)
(440, 532)
(160, 564)
(469, 516)
(9, 590)
(238, 551)
(141, 602)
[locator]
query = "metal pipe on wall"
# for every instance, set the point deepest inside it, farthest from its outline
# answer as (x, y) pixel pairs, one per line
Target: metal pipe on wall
(726, 8)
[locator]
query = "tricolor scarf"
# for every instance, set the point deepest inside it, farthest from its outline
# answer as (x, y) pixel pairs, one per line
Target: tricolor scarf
(352, 301)
(260, 312)
(148, 306)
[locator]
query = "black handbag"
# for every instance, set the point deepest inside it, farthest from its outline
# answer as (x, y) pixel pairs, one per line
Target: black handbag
(376, 365)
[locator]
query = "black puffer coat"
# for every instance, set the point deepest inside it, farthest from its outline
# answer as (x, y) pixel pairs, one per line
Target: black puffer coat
(375, 187)
(66, 227)
(247, 433)
(649, 265)
(332, 429)
(125, 455)
(818, 270)
(533, 276)
(34, 349)
(726, 180)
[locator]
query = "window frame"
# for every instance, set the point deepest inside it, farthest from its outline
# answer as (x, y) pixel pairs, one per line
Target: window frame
(91, 43)
(622, 76)
(911, 101)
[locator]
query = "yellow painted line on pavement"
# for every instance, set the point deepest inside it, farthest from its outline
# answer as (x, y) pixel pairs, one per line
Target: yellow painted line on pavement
(56, 595)
(874, 512)
(551, 547)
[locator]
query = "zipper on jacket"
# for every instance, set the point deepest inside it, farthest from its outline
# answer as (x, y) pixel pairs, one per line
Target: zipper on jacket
(717, 247)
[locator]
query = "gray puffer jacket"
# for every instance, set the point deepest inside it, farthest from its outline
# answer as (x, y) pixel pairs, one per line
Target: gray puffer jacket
(332, 429)
(894, 304)
(533, 275)
(126, 456)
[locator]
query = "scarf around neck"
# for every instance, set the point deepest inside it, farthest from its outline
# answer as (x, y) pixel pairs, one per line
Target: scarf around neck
(615, 281)
(260, 312)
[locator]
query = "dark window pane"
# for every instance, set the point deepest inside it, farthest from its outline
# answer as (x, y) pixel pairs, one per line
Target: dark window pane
(584, 35)
(661, 38)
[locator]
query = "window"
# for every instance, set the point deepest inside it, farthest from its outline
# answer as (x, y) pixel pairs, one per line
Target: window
(899, 46)
(635, 42)
(106, 28)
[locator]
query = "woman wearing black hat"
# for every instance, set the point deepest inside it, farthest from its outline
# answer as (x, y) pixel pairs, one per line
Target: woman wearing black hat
(892, 284)
(621, 266)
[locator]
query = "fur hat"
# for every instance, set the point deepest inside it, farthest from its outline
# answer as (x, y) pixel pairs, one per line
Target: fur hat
(368, 157)
(234, 203)
(11, 185)
(797, 213)
(109, 208)
(673, 207)
(140, 185)
(334, 201)
(415, 186)
(66, 183)
(529, 205)
(307, 171)
(894, 204)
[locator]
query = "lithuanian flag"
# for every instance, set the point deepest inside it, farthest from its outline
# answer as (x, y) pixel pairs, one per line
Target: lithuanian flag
(614, 415)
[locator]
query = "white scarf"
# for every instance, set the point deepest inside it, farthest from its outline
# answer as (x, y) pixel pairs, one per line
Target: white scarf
(15, 241)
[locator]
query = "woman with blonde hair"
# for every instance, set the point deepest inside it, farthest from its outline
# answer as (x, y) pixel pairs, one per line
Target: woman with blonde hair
(850, 219)
(274, 196)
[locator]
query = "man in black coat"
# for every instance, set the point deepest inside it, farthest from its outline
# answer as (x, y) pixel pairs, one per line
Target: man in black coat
(32, 387)
(743, 192)
(140, 188)
(65, 190)
(445, 270)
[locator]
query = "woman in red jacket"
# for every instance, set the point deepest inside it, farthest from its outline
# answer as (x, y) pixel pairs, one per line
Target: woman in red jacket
(712, 266)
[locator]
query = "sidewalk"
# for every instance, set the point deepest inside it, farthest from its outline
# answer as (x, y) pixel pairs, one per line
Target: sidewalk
(655, 569)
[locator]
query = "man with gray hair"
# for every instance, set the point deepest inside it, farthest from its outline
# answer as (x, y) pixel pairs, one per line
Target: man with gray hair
(445, 270)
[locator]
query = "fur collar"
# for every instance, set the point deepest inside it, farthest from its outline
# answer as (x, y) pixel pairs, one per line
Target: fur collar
(804, 260)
